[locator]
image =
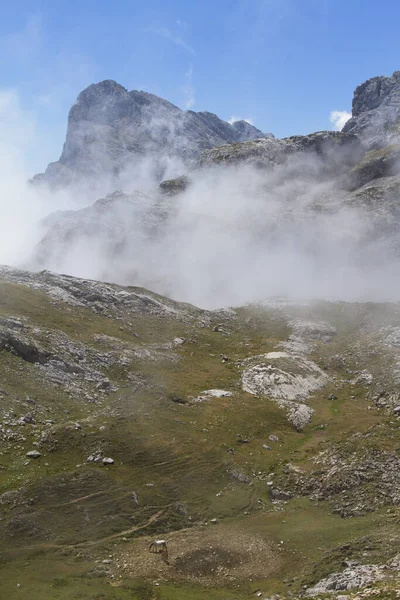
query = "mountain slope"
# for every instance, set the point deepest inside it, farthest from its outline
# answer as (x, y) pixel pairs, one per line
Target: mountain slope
(262, 442)
(148, 425)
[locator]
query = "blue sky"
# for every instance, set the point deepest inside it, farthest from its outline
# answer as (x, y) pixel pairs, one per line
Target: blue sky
(284, 64)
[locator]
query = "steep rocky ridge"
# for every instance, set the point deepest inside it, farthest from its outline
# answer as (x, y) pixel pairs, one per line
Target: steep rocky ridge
(110, 131)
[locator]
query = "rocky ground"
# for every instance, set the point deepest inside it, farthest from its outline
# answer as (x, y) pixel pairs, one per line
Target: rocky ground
(261, 443)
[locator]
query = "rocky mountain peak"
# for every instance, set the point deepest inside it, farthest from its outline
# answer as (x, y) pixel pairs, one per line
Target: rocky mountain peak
(372, 93)
(97, 98)
(111, 131)
(376, 111)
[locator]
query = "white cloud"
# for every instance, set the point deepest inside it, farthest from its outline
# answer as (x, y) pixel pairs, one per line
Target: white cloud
(339, 118)
(233, 119)
(172, 37)
(188, 90)
(21, 204)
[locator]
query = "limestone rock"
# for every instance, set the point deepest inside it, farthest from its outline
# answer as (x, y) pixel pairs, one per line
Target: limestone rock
(348, 579)
(376, 111)
(111, 130)
(214, 393)
(286, 379)
(33, 454)
(283, 377)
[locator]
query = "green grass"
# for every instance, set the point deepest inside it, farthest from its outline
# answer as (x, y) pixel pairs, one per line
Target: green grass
(68, 516)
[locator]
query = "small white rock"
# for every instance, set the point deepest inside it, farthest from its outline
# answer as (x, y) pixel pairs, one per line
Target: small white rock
(33, 454)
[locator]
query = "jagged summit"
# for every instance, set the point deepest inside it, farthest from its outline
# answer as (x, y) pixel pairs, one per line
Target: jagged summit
(376, 111)
(112, 130)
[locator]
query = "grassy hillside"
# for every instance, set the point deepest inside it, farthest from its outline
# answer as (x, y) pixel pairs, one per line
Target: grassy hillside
(246, 502)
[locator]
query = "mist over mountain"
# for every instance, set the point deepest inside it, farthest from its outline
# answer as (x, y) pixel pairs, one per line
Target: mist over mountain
(314, 215)
(117, 136)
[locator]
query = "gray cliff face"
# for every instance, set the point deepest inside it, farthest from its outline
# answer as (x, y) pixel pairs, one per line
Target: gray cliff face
(110, 131)
(376, 111)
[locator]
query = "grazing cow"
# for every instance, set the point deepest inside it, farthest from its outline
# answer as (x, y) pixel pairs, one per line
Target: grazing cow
(160, 547)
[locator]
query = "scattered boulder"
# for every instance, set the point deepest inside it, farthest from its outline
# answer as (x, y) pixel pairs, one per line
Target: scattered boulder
(28, 418)
(33, 454)
(172, 187)
(278, 494)
(22, 347)
(214, 393)
(178, 399)
(95, 458)
(354, 482)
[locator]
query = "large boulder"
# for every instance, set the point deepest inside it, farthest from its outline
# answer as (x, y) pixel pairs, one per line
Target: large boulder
(172, 187)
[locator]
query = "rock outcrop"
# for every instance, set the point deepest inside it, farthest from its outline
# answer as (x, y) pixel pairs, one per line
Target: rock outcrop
(352, 577)
(376, 111)
(376, 164)
(288, 379)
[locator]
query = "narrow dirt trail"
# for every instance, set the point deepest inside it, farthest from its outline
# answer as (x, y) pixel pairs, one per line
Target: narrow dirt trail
(90, 543)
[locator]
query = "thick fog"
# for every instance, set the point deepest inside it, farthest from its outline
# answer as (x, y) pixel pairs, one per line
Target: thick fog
(236, 235)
